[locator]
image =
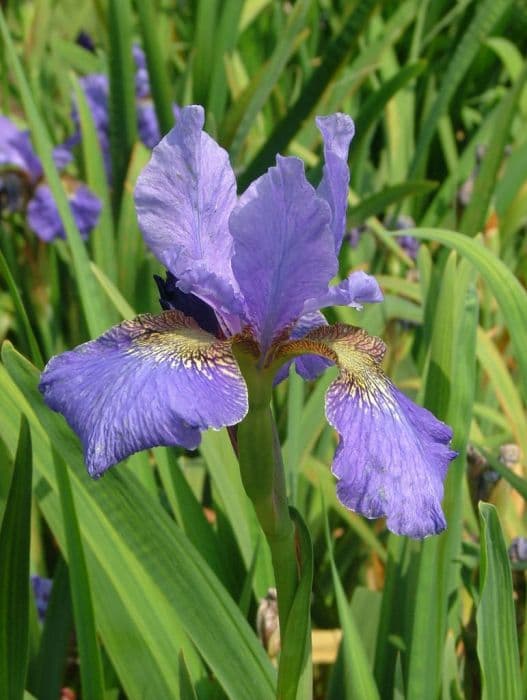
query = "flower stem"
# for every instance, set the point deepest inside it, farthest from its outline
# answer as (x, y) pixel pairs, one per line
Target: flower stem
(263, 477)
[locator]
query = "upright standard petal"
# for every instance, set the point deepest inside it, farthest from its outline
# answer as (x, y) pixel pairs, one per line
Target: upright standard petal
(156, 380)
(393, 455)
(337, 131)
(184, 198)
(357, 289)
(284, 254)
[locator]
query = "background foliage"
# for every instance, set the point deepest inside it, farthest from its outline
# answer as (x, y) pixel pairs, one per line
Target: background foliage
(158, 569)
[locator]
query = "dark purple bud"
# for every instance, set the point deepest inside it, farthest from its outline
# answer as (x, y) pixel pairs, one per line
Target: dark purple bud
(171, 297)
(85, 40)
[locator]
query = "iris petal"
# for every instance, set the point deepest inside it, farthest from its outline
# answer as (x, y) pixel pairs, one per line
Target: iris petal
(184, 198)
(155, 380)
(284, 254)
(44, 219)
(337, 131)
(17, 151)
(309, 367)
(356, 290)
(393, 455)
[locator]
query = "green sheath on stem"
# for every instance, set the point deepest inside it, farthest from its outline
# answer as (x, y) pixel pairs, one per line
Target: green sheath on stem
(263, 477)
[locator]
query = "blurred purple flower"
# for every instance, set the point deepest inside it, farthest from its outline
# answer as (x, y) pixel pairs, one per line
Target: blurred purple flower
(44, 219)
(261, 266)
(42, 592)
(409, 244)
(96, 88)
(353, 235)
(21, 183)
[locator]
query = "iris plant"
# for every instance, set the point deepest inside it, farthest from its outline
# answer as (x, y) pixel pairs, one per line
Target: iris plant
(96, 88)
(22, 186)
(247, 279)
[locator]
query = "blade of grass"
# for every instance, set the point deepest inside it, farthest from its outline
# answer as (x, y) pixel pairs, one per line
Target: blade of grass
(509, 293)
(90, 660)
(225, 41)
(206, 13)
(487, 15)
(186, 688)
(358, 678)
(102, 237)
(378, 203)
(340, 47)
(225, 472)
(170, 586)
(268, 77)
(28, 340)
(14, 564)
(294, 670)
(156, 64)
(497, 642)
(475, 214)
(449, 394)
(123, 117)
(56, 635)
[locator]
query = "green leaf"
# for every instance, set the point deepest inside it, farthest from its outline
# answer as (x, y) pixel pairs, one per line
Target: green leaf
(267, 79)
(294, 671)
(487, 15)
(156, 63)
(90, 661)
(54, 643)
(335, 54)
(225, 472)
(497, 643)
(14, 581)
(102, 237)
(373, 108)
(225, 41)
(92, 299)
(27, 335)
(206, 12)
(449, 394)
(509, 293)
(129, 537)
(517, 482)
(123, 116)
(186, 689)
(475, 214)
(358, 678)
(189, 513)
(494, 364)
(377, 203)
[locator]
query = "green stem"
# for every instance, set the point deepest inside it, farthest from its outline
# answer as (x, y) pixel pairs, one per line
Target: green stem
(263, 477)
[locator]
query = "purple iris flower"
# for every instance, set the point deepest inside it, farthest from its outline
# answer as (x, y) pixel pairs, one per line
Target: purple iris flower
(262, 264)
(21, 182)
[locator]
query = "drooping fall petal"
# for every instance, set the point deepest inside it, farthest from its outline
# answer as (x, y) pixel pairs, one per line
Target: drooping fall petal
(393, 455)
(155, 380)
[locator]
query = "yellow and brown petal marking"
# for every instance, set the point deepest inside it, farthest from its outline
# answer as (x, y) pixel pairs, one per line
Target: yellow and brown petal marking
(154, 380)
(392, 455)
